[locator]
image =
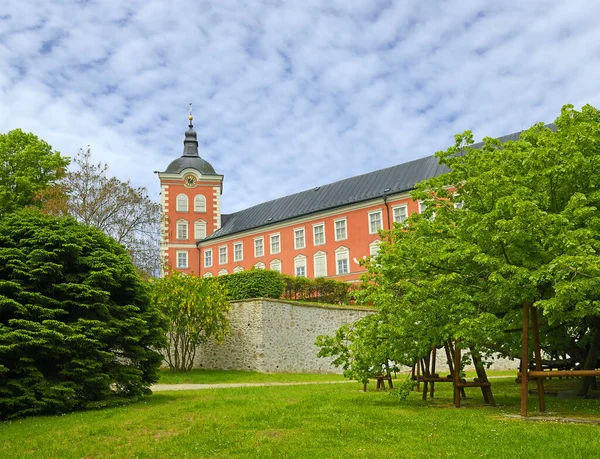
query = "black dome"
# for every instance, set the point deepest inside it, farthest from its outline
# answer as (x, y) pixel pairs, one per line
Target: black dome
(193, 162)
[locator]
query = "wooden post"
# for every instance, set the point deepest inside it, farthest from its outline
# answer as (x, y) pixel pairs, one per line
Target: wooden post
(538, 358)
(432, 371)
(426, 374)
(525, 359)
(457, 369)
(418, 364)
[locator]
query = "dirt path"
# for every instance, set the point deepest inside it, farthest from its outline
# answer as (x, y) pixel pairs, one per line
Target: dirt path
(168, 387)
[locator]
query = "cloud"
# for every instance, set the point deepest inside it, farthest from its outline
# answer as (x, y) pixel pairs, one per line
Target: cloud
(288, 95)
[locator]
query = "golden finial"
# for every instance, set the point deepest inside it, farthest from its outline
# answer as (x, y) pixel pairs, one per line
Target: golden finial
(191, 117)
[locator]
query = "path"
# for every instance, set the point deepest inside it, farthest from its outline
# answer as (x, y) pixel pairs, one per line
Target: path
(166, 387)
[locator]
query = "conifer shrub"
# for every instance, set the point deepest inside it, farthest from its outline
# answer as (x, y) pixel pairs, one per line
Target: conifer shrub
(76, 327)
(256, 283)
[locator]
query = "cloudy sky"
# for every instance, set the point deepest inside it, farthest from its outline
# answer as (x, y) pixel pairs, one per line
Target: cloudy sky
(292, 94)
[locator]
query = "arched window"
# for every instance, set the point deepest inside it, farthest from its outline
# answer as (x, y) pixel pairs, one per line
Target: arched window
(182, 203)
(199, 203)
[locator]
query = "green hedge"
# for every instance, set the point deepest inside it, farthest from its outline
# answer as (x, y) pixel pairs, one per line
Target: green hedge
(320, 290)
(256, 283)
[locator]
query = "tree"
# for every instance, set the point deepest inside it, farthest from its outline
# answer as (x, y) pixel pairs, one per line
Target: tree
(29, 171)
(77, 329)
(195, 309)
(117, 208)
(510, 224)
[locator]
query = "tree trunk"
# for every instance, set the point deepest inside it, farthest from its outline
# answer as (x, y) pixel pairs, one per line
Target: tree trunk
(591, 361)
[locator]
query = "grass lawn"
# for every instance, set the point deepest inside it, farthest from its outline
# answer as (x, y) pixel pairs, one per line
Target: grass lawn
(226, 377)
(322, 421)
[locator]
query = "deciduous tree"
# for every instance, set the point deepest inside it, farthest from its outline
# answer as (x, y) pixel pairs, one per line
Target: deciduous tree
(195, 310)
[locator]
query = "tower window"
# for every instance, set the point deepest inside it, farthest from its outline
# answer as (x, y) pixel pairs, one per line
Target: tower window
(182, 203)
(199, 203)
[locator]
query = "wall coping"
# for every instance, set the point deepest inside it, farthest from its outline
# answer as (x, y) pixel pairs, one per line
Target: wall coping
(347, 307)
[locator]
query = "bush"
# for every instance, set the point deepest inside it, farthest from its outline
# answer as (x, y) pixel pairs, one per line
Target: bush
(76, 327)
(320, 290)
(256, 283)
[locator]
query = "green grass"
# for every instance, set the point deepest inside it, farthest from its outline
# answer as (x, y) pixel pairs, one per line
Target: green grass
(322, 421)
(229, 377)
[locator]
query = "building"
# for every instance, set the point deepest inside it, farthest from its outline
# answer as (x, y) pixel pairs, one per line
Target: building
(321, 232)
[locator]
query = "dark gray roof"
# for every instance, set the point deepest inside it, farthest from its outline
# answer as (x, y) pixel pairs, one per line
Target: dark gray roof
(194, 162)
(391, 180)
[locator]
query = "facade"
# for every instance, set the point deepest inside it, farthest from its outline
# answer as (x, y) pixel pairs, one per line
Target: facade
(321, 232)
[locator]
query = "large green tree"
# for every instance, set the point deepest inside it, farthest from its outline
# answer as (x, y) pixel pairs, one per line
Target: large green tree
(77, 329)
(195, 310)
(29, 171)
(510, 224)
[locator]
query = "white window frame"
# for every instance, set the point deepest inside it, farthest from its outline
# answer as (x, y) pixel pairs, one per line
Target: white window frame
(342, 253)
(374, 248)
(223, 272)
(275, 265)
(271, 236)
(315, 226)
(239, 244)
(401, 206)
(260, 240)
(221, 253)
(345, 227)
(182, 230)
(296, 245)
(208, 258)
(300, 262)
(199, 229)
(181, 203)
(259, 265)
(238, 269)
(200, 203)
(320, 255)
(181, 265)
(207, 274)
(423, 207)
(371, 214)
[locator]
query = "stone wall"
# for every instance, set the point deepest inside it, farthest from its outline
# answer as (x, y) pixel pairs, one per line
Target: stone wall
(276, 336)
(273, 336)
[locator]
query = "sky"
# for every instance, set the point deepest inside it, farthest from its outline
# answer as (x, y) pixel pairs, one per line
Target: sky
(288, 95)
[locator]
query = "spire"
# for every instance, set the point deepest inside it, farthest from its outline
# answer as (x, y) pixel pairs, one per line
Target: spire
(190, 144)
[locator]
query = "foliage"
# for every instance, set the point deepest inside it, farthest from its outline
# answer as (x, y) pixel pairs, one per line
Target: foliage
(320, 290)
(29, 171)
(256, 283)
(195, 309)
(117, 208)
(510, 224)
(76, 327)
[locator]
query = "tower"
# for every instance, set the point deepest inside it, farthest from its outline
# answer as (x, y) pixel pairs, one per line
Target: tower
(191, 202)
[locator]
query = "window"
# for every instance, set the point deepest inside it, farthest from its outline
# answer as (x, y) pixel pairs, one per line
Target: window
(182, 259)
(374, 222)
(199, 203)
(400, 214)
(207, 275)
(259, 265)
(182, 203)
(320, 259)
(299, 242)
(319, 234)
(275, 244)
(223, 272)
(259, 246)
(374, 248)
(341, 261)
(238, 251)
(223, 255)
(423, 209)
(208, 258)
(340, 229)
(275, 265)
(200, 229)
(459, 205)
(238, 269)
(182, 229)
(300, 265)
